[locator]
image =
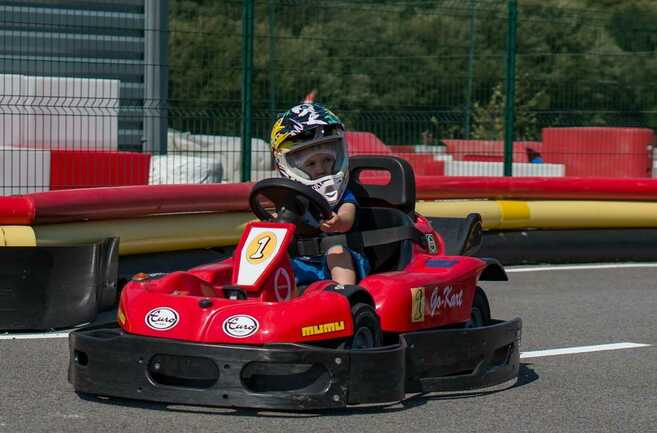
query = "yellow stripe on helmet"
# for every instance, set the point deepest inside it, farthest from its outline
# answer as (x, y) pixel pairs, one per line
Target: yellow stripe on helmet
(278, 137)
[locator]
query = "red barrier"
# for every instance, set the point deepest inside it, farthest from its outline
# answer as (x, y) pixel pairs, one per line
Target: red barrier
(89, 169)
(535, 188)
(424, 164)
(365, 143)
(16, 210)
(489, 150)
(134, 201)
(614, 152)
(129, 202)
(401, 149)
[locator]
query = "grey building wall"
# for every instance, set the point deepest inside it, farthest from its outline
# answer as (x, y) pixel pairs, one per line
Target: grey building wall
(86, 39)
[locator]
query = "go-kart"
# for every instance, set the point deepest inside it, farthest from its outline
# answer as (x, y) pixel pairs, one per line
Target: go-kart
(241, 333)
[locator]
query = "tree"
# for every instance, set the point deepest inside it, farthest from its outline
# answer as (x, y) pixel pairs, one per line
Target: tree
(489, 117)
(401, 67)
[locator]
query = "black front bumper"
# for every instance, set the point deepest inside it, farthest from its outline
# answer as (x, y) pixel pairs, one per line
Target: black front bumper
(106, 361)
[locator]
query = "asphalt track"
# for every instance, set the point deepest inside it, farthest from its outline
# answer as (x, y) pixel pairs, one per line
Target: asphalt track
(597, 391)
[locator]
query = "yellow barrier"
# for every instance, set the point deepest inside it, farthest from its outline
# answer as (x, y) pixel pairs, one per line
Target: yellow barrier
(17, 236)
(205, 230)
(489, 210)
(555, 214)
(152, 234)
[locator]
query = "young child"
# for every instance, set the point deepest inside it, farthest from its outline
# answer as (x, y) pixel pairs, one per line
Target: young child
(308, 147)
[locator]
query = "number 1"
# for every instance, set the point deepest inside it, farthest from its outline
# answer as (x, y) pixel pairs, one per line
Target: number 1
(262, 244)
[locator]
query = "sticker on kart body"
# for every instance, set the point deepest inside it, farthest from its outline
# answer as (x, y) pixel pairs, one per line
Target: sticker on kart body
(161, 318)
(240, 326)
(417, 304)
(261, 247)
(446, 300)
(324, 328)
(282, 285)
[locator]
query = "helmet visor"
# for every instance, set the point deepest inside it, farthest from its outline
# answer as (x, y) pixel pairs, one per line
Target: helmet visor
(318, 158)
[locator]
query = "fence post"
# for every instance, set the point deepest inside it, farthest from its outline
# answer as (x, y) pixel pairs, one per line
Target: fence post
(271, 60)
(247, 66)
(509, 111)
(468, 84)
(156, 75)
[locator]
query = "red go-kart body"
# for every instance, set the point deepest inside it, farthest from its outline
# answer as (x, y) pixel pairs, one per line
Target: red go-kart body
(432, 291)
(241, 333)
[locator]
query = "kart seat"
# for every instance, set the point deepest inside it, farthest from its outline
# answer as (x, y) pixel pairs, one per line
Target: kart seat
(384, 206)
(398, 193)
(392, 256)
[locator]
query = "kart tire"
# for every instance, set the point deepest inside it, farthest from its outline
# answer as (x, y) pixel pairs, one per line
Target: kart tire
(480, 313)
(367, 330)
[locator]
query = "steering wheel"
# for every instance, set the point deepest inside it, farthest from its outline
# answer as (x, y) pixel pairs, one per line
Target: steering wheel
(291, 201)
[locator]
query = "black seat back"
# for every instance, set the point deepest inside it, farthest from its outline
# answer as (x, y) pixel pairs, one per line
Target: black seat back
(383, 206)
(393, 256)
(398, 193)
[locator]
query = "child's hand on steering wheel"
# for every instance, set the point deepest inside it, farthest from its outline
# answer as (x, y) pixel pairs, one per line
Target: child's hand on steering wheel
(330, 225)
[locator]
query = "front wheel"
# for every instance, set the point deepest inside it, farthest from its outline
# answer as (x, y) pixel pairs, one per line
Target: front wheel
(367, 330)
(480, 313)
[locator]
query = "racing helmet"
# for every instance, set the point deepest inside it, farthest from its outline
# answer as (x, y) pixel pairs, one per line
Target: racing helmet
(308, 145)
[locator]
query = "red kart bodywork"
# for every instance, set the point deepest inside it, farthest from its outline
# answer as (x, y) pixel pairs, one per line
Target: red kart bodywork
(446, 286)
(241, 333)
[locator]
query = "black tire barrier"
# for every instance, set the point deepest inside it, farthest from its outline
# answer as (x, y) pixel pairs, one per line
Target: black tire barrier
(515, 247)
(52, 287)
(570, 246)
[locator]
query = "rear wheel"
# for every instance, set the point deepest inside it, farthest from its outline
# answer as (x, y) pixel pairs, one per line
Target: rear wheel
(480, 314)
(367, 330)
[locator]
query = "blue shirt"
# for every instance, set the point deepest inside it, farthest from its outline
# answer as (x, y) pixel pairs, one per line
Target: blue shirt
(347, 197)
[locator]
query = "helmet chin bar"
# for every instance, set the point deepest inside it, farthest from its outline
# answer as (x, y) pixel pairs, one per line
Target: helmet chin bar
(330, 187)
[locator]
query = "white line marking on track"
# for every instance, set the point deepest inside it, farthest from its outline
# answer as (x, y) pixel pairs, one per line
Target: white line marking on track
(582, 267)
(34, 336)
(580, 349)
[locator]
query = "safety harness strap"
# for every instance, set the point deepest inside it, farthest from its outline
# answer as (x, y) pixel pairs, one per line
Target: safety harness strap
(358, 240)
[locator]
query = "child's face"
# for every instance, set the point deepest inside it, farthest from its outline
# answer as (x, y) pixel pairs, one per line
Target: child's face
(318, 165)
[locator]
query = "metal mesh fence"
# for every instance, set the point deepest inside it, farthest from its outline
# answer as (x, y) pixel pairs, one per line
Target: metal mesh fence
(584, 86)
(145, 91)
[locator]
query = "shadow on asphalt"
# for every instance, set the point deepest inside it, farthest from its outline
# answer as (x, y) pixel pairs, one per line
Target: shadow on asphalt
(526, 375)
